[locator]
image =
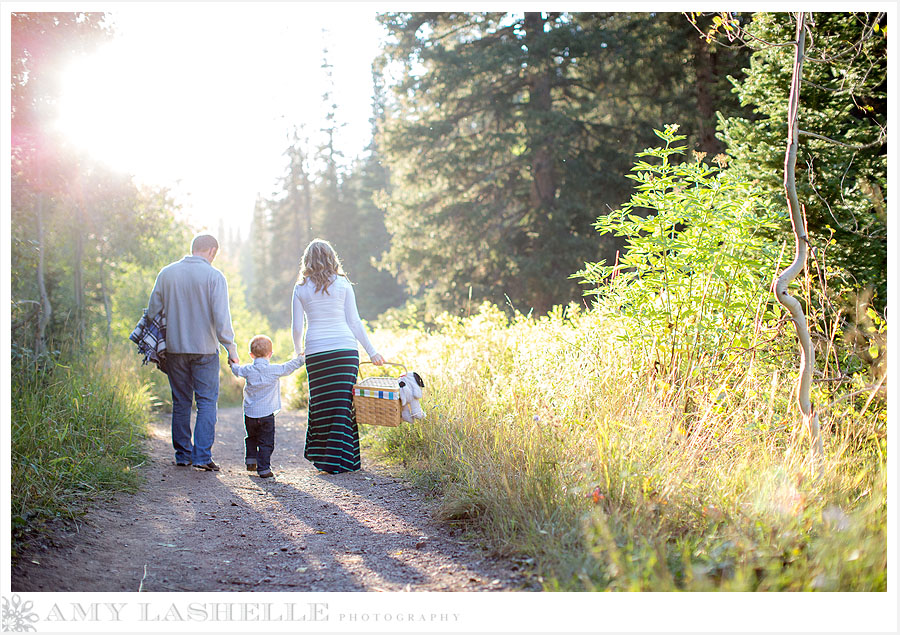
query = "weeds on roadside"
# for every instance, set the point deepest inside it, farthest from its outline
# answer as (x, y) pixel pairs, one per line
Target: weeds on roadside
(543, 437)
(77, 425)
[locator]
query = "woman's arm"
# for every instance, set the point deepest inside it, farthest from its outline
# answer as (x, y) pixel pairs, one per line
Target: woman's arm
(356, 325)
(297, 322)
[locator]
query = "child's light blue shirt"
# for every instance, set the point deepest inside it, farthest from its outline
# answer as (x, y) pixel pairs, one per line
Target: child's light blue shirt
(262, 395)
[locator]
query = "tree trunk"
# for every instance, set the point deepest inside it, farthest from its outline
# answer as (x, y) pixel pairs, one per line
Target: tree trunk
(543, 191)
(705, 79)
(541, 140)
(807, 354)
(300, 180)
(106, 304)
(40, 345)
(307, 209)
(78, 275)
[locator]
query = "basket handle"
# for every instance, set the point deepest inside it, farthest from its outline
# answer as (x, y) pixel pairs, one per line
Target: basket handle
(387, 364)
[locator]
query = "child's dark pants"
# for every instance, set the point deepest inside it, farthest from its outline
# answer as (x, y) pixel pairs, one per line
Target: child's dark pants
(260, 440)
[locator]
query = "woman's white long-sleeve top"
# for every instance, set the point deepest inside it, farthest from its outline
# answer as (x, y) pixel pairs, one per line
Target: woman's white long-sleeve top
(331, 318)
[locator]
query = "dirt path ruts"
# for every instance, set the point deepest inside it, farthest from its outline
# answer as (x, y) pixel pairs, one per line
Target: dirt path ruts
(189, 530)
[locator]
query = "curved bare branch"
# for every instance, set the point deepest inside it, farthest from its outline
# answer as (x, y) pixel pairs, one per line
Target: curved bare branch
(792, 304)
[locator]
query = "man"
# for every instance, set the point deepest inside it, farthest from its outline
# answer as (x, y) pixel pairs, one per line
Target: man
(193, 296)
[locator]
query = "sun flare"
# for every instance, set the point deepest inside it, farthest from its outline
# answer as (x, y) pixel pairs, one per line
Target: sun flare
(209, 113)
(95, 112)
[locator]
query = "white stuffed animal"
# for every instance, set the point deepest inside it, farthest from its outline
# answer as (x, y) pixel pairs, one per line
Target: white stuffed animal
(411, 386)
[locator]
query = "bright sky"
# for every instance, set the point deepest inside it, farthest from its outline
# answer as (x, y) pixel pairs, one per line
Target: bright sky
(201, 97)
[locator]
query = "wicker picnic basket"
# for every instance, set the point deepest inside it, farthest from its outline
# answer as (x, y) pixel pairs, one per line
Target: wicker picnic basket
(377, 399)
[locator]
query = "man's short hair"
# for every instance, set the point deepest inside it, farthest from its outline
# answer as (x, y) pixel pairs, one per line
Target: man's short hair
(204, 242)
(260, 346)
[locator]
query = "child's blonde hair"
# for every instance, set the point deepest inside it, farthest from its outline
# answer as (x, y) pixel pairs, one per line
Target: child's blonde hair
(260, 346)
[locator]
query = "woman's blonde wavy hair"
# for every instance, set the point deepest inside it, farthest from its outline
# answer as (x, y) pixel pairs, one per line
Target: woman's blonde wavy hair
(319, 264)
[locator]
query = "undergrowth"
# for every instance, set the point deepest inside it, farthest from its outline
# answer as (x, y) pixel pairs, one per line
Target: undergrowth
(77, 427)
(543, 437)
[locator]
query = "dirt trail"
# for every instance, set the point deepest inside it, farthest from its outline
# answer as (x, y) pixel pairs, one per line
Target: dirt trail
(189, 530)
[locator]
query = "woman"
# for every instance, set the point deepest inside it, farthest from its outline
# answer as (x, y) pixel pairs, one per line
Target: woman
(324, 301)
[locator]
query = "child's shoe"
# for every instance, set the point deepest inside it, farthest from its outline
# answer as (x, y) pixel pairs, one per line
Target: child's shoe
(266, 474)
(251, 467)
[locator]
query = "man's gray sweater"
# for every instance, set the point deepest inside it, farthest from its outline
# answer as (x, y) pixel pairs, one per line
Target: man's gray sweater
(194, 297)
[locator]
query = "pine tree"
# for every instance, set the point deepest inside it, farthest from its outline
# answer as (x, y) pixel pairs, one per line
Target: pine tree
(510, 133)
(333, 218)
(842, 161)
(377, 290)
(290, 228)
(258, 266)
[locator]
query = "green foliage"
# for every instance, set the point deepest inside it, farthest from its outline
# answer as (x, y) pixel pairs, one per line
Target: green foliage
(77, 429)
(50, 188)
(297, 390)
(376, 290)
(694, 281)
(159, 239)
(128, 234)
(842, 183)
(508, 131)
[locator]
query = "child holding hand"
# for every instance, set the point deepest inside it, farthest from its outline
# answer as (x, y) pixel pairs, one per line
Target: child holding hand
(262, 401)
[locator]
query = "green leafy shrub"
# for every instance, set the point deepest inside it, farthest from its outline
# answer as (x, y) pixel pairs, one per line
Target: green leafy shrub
(692, 286)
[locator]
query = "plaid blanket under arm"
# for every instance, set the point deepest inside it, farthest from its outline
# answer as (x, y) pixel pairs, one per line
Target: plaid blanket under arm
(150, 337)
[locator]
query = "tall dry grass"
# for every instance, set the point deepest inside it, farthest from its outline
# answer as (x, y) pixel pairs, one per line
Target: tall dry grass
(543, 439)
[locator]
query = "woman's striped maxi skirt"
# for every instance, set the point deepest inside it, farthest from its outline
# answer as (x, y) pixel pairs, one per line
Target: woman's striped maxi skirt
(332, 438)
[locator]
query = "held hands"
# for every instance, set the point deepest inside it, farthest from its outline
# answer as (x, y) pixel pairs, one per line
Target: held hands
(377, 359)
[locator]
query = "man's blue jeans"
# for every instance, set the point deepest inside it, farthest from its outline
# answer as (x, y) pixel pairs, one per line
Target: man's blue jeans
(193, 376)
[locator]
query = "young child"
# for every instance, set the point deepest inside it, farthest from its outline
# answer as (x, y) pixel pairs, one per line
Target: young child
(262, 401)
